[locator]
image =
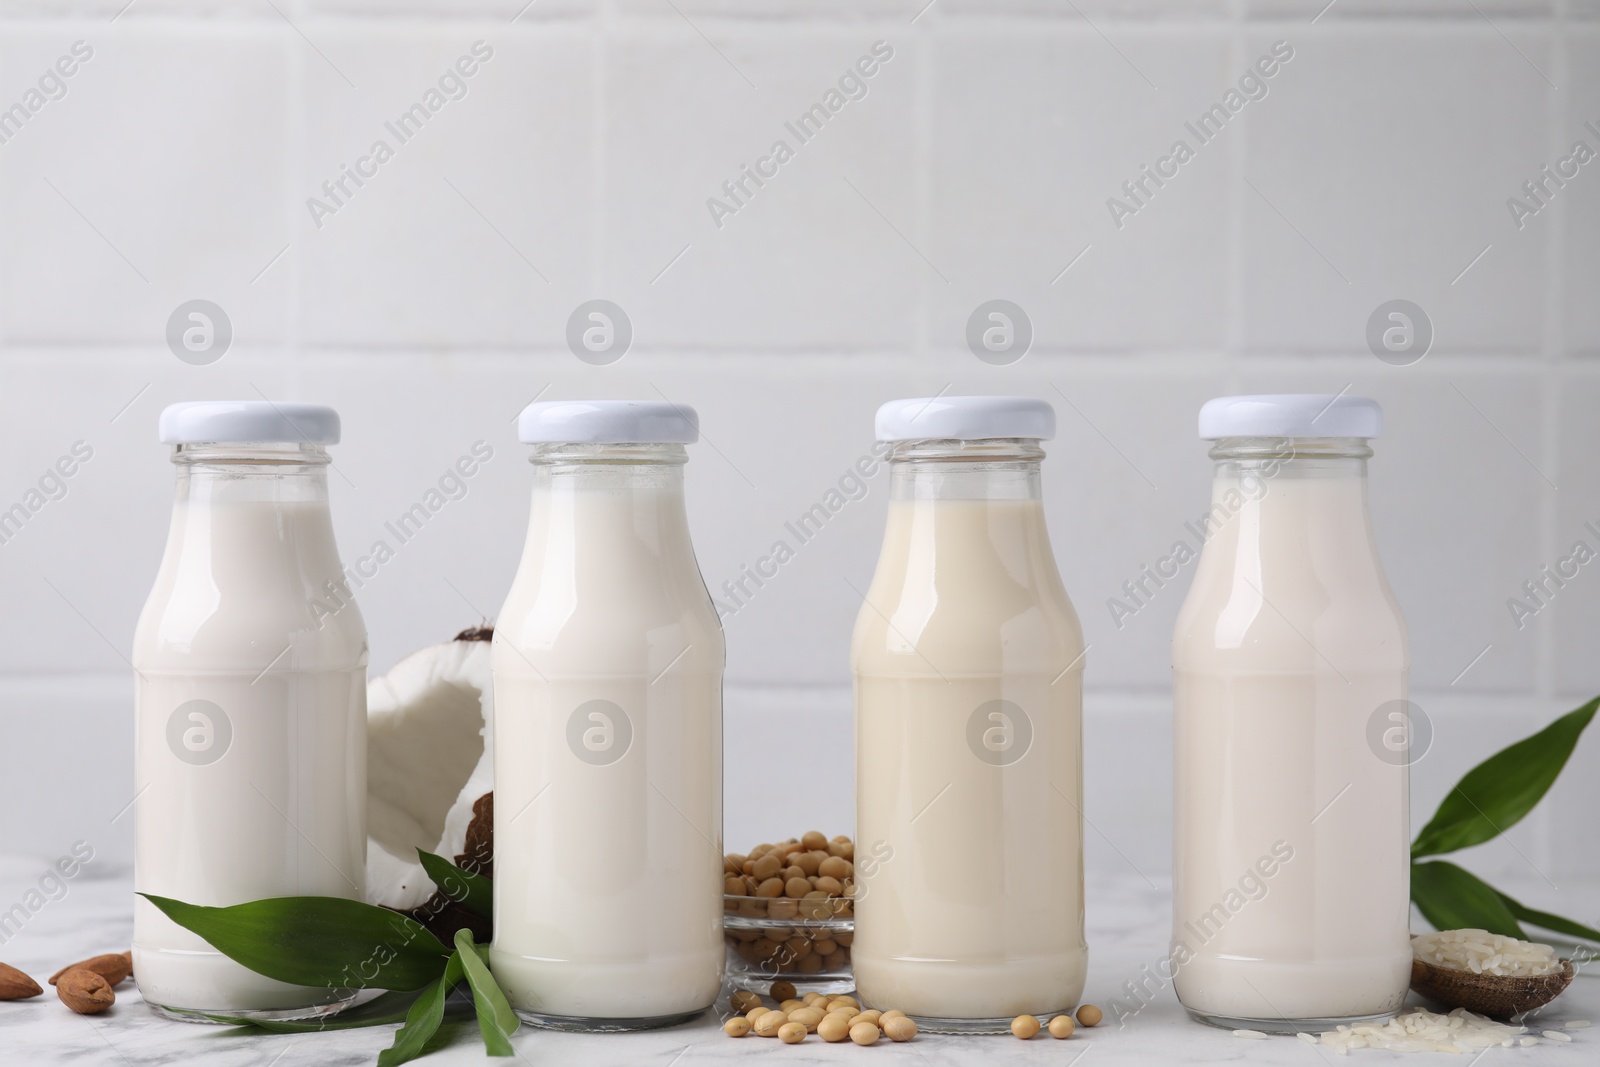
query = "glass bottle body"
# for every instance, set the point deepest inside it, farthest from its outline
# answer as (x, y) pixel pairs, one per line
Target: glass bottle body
(1291, 827)
(250, 739)
(968, 663)
(607, 660)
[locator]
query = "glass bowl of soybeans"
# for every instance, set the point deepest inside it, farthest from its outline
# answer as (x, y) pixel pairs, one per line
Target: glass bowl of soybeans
(788, 914)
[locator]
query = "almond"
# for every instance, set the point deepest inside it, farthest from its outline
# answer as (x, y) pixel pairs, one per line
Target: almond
(85, 992)
(114, 967)
(14, 985)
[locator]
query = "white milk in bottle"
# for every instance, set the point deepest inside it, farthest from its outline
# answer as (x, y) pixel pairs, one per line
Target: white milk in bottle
(968, 662)
(250, 741)
(607, 662)
(1291, 834)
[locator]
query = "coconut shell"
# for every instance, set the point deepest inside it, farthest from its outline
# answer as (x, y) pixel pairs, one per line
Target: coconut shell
(443, 917)
(478, 854)
(1497, 995)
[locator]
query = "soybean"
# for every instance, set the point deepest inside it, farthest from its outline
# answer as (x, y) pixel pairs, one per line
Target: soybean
(864, 1033)
(833, 1027)
(898, 1027)
(807, 1017)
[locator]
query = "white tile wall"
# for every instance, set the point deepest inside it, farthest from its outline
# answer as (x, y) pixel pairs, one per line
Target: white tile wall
(475, 233)
(1574, 607)
(1019, 186)
(1305, 10)
(1380, 171)
(123, 198)
(1576, 209)
(432, 306)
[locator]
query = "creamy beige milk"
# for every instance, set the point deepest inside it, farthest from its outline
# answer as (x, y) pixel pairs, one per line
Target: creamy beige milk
(1289, 641)
(258, 789)
(607, 667)
(978, 911)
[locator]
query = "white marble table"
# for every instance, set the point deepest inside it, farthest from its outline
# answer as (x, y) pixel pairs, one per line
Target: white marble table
(1127, 929)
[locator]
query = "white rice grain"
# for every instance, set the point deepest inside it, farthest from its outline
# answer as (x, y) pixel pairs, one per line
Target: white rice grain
(1480, 952)
(1419, 1030)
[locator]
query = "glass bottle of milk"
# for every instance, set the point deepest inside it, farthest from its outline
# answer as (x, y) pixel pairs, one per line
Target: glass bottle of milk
(607, 664)
(1290, 658)
(968, 662)
(250, 736)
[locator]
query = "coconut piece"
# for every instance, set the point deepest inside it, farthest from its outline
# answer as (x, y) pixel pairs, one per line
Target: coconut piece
(478, 853)
(430, 768)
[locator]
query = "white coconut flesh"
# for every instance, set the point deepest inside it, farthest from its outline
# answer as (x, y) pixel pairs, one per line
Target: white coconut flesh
(430, 756)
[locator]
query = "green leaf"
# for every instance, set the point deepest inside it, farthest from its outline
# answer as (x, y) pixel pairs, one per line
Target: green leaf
(1452, 899)
(473, 891)
(424, 1019)
(1498, 792)
(495, 1018)
(317, 941)
(388, 1008)
(1549, 921)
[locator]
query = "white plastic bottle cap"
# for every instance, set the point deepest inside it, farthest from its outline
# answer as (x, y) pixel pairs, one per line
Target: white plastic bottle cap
(965, 418)
(1291, 415)
(198, 421)
(608, 422)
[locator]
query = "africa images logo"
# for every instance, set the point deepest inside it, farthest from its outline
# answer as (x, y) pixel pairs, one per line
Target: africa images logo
(199, 732)
(999, 732)
(599, 732)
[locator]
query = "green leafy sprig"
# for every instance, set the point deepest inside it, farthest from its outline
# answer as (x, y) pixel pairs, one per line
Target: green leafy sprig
(342, 944)
(1490, 799)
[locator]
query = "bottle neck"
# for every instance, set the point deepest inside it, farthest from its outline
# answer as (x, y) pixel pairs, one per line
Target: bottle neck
(1266, 457)
(656, 468)
(251, 562)
(612, 489)
(252, 472)
(1290, 505)
(988, 470)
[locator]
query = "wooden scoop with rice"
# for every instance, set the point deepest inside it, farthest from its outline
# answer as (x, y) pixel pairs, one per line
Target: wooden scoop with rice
(1487, 973)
